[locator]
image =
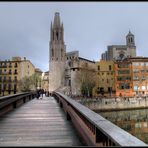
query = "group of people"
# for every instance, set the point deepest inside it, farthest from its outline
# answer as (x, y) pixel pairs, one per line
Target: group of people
(41, 92)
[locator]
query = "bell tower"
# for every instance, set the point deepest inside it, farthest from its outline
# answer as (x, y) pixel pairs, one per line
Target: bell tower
(57, 54)
(130, 41)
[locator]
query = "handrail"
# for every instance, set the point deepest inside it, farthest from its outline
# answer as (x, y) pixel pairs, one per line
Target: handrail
(7, 103)
(115, 134)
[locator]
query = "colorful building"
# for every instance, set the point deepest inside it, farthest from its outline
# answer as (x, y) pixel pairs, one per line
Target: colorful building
(123, 78)
(140, 75)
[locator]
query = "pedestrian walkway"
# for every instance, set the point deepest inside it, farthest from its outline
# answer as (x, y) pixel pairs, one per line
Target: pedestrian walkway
(39, 122)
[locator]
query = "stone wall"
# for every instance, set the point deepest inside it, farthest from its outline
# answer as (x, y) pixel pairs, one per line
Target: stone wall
(115, 104)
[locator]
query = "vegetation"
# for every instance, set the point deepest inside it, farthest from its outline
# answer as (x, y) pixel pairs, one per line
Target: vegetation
(87, 80)
(29, 83)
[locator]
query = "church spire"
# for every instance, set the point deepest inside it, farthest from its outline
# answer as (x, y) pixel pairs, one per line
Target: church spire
(56, 23)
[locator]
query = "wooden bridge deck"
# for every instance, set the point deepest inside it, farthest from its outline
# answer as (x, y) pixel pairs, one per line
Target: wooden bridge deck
(37, 123)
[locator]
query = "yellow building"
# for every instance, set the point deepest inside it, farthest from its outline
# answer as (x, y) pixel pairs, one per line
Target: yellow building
(11, 71)
(105, 85)
(38, 73)
(45, 81)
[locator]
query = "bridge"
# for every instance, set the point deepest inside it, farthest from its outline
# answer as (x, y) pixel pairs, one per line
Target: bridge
(56, 121)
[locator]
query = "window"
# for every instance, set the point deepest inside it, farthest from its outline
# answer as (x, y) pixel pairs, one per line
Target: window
(57, 35)
(15, 78)
(110, 67)
(9, 87)
(15, 72)
(123, 65)
(98, 67)
(5, 86)
(136, 64)
(142, 64)
(123, 72)
(124, 86)
(9, 79)
(15, 86)
(10, 65)
(15, 65)
(9, 71)
(4, 80)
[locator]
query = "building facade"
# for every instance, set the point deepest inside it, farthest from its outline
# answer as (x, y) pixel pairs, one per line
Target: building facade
(11, 72)
(117, 52)
(105, 85)
(123, 78)
(45, 81)
(140, 76)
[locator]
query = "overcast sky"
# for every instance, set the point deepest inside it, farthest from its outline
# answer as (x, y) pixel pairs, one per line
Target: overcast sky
(89, 27)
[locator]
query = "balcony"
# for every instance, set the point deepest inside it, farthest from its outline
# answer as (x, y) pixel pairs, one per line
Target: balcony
(3, 66)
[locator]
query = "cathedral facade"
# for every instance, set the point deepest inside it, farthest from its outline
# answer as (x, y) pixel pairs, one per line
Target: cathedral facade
(119, 52)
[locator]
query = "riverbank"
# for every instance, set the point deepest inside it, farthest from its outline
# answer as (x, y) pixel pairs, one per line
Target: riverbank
(104, 105)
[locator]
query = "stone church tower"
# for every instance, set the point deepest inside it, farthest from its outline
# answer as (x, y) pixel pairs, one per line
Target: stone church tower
(57, 51)
(130, 42)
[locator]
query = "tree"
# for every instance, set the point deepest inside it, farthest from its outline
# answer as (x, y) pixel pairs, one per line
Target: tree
(87, 79)
(25, 84)
(36, 81)
(29, 83)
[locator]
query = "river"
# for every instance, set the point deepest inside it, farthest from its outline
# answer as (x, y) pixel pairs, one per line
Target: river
(133, 121)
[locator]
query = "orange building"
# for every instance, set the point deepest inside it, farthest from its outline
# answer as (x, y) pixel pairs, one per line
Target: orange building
(140, 75)
(123, 78)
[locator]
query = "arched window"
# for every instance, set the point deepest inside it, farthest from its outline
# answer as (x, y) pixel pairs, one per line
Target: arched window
(57, 35)
(121, 56)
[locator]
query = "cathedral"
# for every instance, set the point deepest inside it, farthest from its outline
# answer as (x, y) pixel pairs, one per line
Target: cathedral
(119, 52)
(64, 66)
